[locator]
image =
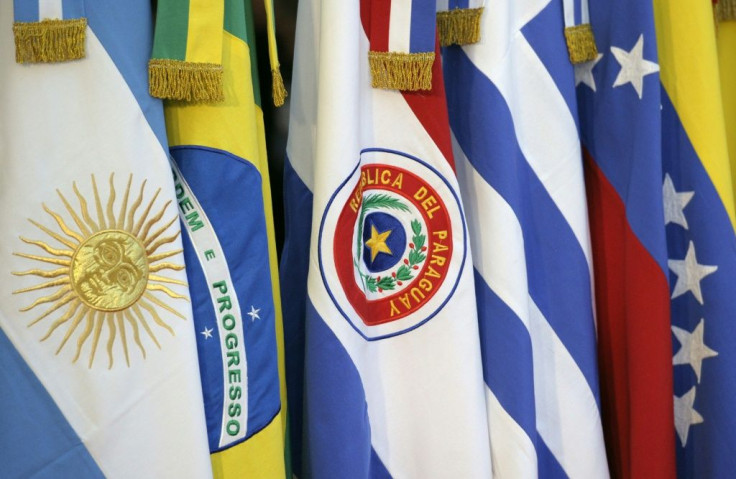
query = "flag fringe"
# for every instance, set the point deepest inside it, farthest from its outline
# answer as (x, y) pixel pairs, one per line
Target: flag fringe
(278, 90)
(188, 81)
(50, 41)
(581, 43)
(460, 26)
(726, 10)
(401, 71)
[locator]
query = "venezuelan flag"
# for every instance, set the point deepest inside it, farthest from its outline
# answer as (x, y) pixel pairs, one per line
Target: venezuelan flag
(701, 246)
(221, 179)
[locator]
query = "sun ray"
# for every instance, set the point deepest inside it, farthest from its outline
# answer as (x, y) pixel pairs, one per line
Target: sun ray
(62, 224)
(145, 325)
(136, 332)
(162, 266)
(85, 211)
(161, 242)
(62, 319)
(164, 289)
(161, 304)
(57, 237)
(96, 338)
(80, 224)
(163, 279)
(159, 231)
(59, 304)
(156, 318)
(73, 326)
(47, 248)
(144, 216)
(85, 334)
(47, 284)
(158, 257)
(98, 205)
(121, 216)
(134, 208)
(48, 299)
(155, 219)
(43, 274)
(111, 202)
(60, 262)
(123, 339)
(111, 339)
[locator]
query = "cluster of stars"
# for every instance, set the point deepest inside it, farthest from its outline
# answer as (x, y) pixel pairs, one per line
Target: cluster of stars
(254, 314)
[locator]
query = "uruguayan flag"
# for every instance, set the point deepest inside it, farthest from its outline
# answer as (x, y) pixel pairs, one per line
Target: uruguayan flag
(99, 371)
(512, 110)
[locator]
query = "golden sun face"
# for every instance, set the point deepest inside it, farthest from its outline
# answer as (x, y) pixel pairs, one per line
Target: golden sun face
(105, 278)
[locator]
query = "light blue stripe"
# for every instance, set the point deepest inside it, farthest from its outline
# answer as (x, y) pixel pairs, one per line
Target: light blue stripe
(25, 11)
(35, 438)
(72, 9)
(559, 281)
(423, 26)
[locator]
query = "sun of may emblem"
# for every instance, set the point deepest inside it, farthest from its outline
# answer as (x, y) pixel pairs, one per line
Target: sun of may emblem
(101, 275)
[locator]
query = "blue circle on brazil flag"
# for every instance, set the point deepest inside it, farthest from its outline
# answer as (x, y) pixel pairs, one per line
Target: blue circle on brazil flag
(384, 241)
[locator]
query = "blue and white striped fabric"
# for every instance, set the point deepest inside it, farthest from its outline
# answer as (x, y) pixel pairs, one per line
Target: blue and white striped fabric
(37, 10)
(512, 110)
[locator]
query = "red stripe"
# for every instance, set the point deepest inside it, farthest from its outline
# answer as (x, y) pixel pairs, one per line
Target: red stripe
(380, 15)
(634, 339)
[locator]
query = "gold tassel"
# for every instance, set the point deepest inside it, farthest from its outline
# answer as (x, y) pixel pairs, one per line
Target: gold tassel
(726, 10)
(401, 71)
(188, 81)
(49, 40)
(278, 90)
(581, 43)
(460, 26)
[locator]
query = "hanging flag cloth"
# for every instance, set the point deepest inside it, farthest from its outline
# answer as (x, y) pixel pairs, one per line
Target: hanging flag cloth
(49, 31)
(458, 21)
(402, 41)
(578, 33)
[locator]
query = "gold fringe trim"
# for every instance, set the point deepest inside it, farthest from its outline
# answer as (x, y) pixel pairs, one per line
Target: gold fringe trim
(726, 10)
(581, 43)
(460, 26)
(401, 71)
(49, 41)
(188, 81)
(278, 90)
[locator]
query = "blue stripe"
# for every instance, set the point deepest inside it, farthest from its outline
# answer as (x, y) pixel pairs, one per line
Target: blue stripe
(547, 464)
(293, 276)
(709, 451)
(25, 10)
(337, 432)
(72, 9)
(35, 438)
(545, 34)
(423, 26)
(458, 4)
(578, 11)
(229, 190)
(559, 280)
(125, 29)
(507, 357)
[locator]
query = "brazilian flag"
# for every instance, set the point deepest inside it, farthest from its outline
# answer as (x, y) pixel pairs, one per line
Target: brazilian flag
(203, 64)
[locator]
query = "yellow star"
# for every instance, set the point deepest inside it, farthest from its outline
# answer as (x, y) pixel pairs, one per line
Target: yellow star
(377, 242)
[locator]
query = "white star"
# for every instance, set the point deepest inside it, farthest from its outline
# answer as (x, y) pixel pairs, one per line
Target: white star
(207, 333)
(584, 72)
(685, 415)
(674, 203)
(689, 274)
(253, 313)
(633, 66)
(692, 350)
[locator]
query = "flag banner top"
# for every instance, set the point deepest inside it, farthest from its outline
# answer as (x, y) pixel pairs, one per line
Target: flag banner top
(49, 30)
(222, 188)
(619, 105)
(513, 114)
(701, 244)
(392, 374)
(458, 21)
(578, 32)
(97, 335)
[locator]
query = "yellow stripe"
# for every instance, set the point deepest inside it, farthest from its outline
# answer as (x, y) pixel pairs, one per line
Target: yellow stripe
(727, 61)
(204, 42)
(685, 31)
